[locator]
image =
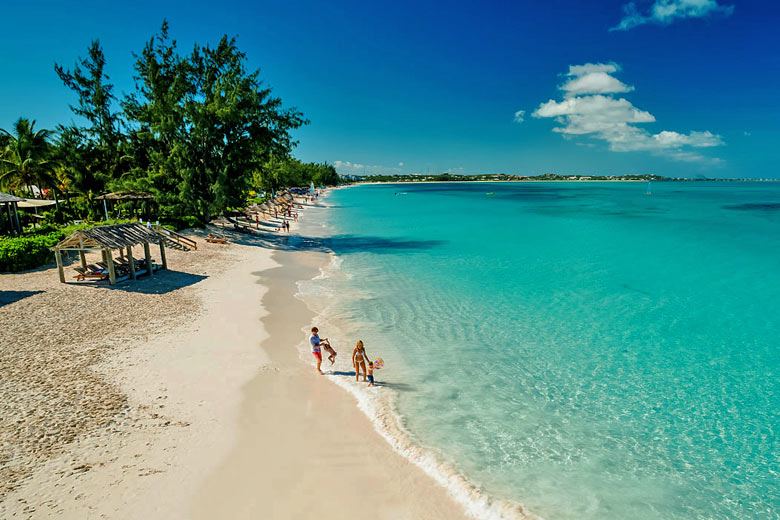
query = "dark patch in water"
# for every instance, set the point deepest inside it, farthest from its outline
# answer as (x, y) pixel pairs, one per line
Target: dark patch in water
(339, 244)
(756, 206)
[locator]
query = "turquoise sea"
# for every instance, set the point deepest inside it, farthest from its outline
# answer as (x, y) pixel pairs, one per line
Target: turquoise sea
(585, 349)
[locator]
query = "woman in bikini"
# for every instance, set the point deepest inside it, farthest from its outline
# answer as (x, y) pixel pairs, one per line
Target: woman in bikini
(359, 360)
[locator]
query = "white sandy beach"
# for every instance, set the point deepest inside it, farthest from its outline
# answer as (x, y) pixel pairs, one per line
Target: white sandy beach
(192, 403)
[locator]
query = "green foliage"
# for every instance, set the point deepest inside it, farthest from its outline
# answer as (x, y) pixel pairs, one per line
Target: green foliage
(196, 134)
(32, 249)
(287, 171)
(26, 252)
(177, 223)
(26, 157)
(91, 155)
(201, 124)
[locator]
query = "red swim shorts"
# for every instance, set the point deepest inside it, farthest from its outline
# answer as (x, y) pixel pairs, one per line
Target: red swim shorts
(318, 355)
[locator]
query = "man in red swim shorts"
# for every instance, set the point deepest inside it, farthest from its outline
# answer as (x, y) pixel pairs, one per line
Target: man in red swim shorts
(315, 341)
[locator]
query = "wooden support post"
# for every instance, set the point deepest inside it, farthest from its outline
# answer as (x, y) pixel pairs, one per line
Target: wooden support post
(131, 262)
(148, 258)
(162, 255)
(10, 218)
(111, 270)
(105, 256)
(58, 257)
(83, 258)
(16, 212)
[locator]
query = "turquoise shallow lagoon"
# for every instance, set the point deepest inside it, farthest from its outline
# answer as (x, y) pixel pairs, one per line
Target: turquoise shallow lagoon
(585, 349)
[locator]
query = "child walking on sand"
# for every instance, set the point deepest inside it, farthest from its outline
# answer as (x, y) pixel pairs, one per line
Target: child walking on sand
(370, 373)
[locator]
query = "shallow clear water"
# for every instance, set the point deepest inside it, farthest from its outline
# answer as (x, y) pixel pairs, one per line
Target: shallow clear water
(583, 348)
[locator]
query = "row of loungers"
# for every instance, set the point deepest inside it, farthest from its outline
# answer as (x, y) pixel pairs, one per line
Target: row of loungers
(99, 270)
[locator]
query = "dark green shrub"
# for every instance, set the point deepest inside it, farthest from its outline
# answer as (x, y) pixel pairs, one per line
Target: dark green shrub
(32, 250)
(27, 252)
(182, 222)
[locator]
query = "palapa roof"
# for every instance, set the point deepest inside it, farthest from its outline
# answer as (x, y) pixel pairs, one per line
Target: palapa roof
(7, 197)
(125, 195)
(36, 203)
(114, 237)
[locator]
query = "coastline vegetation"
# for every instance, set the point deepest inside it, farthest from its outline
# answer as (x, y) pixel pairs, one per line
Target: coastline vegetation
(199, 133)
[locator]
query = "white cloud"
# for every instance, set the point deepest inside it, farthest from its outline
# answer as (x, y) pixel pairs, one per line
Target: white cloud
(664, 12)
(350, 168)
(592, 110)
(696, 139)
(595, 83)
(401, 164)
(581, 70)
(519, 116)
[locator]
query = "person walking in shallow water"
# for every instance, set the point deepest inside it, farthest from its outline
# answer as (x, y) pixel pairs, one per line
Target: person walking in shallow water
(315, 341)
(359, 360)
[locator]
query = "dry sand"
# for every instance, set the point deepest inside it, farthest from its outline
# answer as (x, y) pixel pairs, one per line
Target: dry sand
(168, 397)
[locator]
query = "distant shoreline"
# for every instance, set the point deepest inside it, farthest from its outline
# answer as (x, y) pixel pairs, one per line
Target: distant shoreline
(531, 181)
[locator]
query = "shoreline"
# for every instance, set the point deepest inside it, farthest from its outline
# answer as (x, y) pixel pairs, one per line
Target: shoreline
(530, 181)
(323, 456)
(221, 414)
(378, 404)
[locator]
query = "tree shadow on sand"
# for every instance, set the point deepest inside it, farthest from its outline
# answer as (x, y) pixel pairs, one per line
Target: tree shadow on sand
(162, 282)
(8, 297)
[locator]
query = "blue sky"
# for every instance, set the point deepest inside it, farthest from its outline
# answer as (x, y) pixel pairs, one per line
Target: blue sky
(672, 87)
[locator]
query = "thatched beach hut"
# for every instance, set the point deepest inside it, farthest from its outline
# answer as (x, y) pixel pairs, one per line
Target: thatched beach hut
(107, 239)
(9, 204)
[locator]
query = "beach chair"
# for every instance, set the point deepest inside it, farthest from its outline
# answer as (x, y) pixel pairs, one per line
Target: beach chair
(96, 269)
(216, 239)
(83, 274)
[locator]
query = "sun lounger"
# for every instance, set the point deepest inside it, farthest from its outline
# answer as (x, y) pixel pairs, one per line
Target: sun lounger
(216, 240)
(83, 274)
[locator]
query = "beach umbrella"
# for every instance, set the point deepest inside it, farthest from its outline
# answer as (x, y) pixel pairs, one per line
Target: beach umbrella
(311, 188)
(221, 221)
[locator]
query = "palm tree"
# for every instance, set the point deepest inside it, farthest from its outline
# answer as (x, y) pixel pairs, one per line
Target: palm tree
(26, 158)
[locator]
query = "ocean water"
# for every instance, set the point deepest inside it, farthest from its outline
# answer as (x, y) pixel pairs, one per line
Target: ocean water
(583, 349)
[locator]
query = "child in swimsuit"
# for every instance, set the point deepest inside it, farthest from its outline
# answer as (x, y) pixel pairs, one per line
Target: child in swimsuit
(327, 348)
(370, 373)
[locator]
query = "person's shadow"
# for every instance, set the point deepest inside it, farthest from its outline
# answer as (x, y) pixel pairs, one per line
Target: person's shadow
(401, 387)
